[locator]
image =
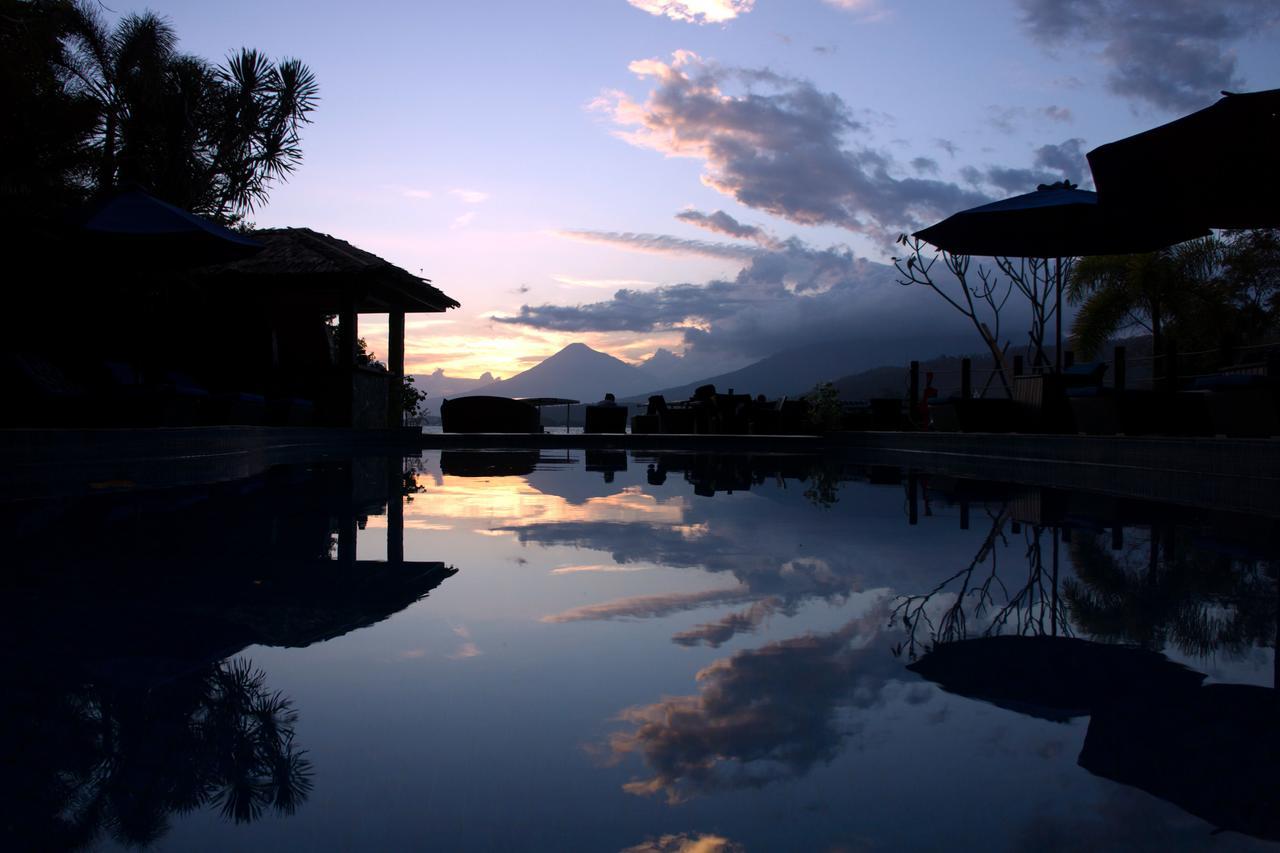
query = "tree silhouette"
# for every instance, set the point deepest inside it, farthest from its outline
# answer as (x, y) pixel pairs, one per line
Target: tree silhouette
(1161, 592)
(119, 758)
(210, 139)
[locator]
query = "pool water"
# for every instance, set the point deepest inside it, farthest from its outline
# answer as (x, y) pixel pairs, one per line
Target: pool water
(606, 651)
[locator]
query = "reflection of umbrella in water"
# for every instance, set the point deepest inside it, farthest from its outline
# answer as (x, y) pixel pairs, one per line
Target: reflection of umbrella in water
(1216, 167)
(1054, 678)
(1213, 751)
(140, 228)
(1056, 221)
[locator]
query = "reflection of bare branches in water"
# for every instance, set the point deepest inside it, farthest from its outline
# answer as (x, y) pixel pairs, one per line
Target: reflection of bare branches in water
(1033, 608)
(121, 759)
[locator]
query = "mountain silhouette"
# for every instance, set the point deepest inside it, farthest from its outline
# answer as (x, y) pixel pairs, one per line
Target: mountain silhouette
(577, 372)
(795, 371)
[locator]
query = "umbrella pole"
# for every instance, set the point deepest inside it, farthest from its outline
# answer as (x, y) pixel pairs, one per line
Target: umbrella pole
(1057, 275)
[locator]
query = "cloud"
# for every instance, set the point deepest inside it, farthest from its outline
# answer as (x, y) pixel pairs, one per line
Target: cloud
(925, 165)
(411, 192)
(715, 634)
(1050, 163)
(780, 145)
(792, 296)
(867, 10)
(1007, 119)
(464, 220)
(722, 223)
(1066, 158)
(663, 244)
(760, 715)
(684, 843)
(607, 283)
(1175, 55)
(696, 11)
(649, 606)
(470, 196)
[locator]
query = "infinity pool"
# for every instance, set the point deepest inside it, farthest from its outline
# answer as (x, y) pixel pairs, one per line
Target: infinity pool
(607, 651)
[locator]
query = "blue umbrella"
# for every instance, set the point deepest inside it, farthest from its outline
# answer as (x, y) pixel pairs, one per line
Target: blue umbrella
(1217, 167)
(145, 228)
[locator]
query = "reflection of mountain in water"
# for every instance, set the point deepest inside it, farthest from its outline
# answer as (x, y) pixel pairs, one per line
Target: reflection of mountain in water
(121, 707)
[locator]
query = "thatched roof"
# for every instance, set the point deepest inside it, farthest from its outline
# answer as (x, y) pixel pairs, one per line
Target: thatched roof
(319, 266)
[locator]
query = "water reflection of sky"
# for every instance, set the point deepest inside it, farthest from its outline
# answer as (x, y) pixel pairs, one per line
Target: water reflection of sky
(620, 662)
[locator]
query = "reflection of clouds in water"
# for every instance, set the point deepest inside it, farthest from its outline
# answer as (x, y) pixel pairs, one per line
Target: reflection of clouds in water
(760, 715)
(649, 606)
(467, 648)
(599, 568)
(1126, 819)
(722, 547)
(715, 634)
(684, 843)
(513, 502)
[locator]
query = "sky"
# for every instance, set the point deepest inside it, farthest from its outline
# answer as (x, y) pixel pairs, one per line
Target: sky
(715, 177)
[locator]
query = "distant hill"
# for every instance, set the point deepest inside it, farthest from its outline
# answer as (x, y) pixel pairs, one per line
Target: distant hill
(437, 385)
(794, 372)
(892, 381)
(577, 372)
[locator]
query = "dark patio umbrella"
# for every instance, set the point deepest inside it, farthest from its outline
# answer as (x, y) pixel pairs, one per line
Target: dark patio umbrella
(1217, 167)
(1055, 221)
(1054, 678)
(136, 226)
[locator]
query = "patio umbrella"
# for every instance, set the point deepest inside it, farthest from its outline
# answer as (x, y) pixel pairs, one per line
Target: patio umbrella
(140, 228)
(1217, 167)
(1054, 678)
(1055, 221)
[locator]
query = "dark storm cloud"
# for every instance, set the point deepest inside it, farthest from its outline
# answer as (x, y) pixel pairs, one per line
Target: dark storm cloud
(1173, 54)
(781, 146)
(784, 298)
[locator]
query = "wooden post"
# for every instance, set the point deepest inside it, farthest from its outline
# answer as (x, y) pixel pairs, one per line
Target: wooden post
(348, 334)
(395, 510)
(913, 393)
(1017, 365)
(966, 379)
(1171, 366)
(395, 366)
(913, 497)
(1120, 370)
(1068, 358)
(347, 529)
(1117, 538)
(964, 513)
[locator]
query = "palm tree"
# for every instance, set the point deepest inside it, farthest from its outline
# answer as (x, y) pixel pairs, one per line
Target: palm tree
(1150, 291)
(209, 139)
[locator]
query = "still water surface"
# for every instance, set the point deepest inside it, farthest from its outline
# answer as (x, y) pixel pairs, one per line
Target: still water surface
(606, 651)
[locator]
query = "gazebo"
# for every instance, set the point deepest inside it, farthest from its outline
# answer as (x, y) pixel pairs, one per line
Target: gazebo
(302, 277)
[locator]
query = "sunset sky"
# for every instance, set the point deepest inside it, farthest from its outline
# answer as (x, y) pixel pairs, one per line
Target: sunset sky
(603, 161)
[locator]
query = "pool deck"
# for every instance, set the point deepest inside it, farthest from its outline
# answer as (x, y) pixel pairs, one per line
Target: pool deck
(1239, 474)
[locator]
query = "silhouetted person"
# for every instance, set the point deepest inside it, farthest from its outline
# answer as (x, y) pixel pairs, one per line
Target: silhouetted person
(657, 476)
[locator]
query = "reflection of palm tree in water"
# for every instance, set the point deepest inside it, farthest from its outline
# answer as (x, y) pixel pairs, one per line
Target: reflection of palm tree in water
(1160, 592)
(98, 758)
